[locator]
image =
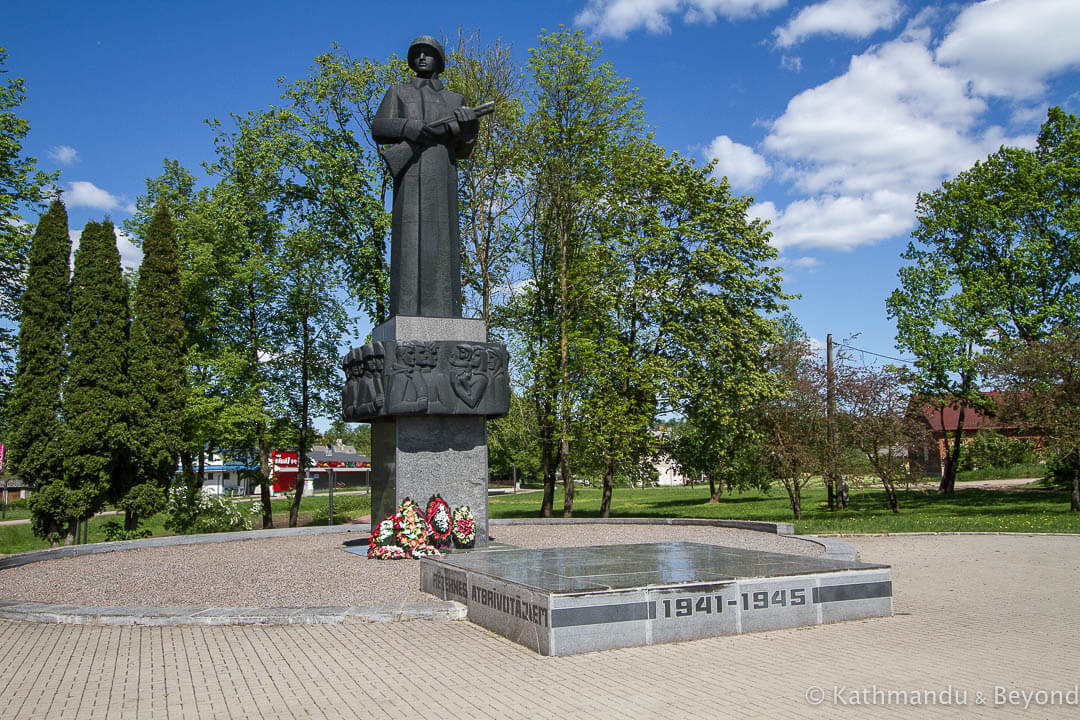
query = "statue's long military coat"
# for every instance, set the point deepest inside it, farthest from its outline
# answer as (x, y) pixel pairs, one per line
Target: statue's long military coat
(425, 261)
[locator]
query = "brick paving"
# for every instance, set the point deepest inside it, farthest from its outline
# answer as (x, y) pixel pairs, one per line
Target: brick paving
(973, 613)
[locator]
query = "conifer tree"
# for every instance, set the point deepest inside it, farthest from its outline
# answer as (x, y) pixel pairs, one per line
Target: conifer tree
(157, 363)
(34, 444)
(97, 436)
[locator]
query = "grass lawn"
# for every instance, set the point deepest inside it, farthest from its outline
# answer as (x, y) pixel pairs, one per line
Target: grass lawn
(19, 511)
(313, 511)
(921, 510)
(1031, 509)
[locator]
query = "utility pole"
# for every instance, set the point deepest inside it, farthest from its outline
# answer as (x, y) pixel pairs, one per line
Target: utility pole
(836, 498)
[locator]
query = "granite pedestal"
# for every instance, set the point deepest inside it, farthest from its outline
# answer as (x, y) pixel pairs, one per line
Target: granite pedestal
(416, 456)
(566, 601)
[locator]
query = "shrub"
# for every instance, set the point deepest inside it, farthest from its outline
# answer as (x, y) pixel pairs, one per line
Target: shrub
(144, 500)
(115, 531)
(191, 511)
(989, 449)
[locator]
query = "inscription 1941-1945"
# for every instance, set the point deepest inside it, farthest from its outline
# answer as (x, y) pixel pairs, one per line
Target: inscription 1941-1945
(442, 377)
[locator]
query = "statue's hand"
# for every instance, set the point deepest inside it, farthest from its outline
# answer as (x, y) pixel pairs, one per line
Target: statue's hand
(413, 130)
(434, 132)
(465, 114)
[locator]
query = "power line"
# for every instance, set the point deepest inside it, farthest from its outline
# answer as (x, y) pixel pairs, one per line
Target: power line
(868, 352)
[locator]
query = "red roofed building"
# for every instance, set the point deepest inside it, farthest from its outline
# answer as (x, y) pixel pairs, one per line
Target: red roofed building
(943, 422)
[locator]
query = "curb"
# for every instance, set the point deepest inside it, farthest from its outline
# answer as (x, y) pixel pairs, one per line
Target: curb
(834, 549)
(9, 561)
(177, 616)
(774, 528)
(927, 533)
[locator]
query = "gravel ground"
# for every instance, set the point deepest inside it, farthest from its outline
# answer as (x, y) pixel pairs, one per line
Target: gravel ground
(306, 571)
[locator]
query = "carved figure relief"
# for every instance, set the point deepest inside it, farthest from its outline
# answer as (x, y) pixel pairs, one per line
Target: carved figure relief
(467, 374)
(371, 397)
(425, 377)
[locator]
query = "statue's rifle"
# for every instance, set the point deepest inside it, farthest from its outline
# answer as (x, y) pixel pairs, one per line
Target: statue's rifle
(399, 156)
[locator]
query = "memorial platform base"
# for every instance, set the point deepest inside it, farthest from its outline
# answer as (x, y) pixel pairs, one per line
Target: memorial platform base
(566, 601)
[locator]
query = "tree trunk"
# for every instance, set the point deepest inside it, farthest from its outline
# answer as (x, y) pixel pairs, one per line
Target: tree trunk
(568, 482)
(547, 466)
(1074, 499)
(609, 477)
(264, 474)
(564, 367)
(187, 461)
(794, 492)
(952, 457)
(131, 520)
(301, 456)
(200, 475)
(716, 490)
(890, 494)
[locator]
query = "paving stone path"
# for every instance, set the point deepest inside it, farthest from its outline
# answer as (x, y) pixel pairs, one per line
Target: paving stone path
(990, 618)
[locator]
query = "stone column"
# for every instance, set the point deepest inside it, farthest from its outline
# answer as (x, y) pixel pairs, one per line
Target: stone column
(417, 456)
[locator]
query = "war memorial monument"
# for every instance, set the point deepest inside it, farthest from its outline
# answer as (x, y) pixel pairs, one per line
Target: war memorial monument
(428, 381)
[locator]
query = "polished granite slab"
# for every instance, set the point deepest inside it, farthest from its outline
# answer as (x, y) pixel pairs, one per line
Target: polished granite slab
(563, 601)
(614, 567)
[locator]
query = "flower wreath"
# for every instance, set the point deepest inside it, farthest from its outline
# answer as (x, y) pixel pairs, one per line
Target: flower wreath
(402, 535)
(439, 521)
(409, 524)
(464, 528)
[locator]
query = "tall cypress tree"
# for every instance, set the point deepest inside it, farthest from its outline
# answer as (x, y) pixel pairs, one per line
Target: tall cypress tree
(157, 368)
(97, 413)
(34, 441)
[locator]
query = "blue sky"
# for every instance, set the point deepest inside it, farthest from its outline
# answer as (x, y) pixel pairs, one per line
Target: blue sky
(833, 114)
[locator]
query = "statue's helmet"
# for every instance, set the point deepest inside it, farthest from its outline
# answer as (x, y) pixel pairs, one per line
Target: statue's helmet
(432, 44)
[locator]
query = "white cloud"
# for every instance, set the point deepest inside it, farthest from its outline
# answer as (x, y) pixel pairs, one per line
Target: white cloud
(130, 254)
(894, 118)
(616, 18)
(1009, 47)
(843, 222)
(743, 167)
(791, 62)
(765, 210)
(862, 145)
(853, 18)
(64, 155)
(81, 193)
(806, 262)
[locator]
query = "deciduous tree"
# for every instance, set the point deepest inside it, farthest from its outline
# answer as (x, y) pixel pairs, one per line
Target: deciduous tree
(996, 259)
(22, 187)
(582, 114)
(874, 404)
(794, 422)
(491, 181)
(1041, 379)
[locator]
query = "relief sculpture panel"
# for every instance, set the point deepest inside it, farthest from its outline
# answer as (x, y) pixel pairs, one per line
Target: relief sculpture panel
(411, 377)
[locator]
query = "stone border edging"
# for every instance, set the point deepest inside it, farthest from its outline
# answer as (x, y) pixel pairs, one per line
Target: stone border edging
(834, 549)
(774, 528)
(175, 616)
(203, 616)
(931, 533)
(68, 551)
